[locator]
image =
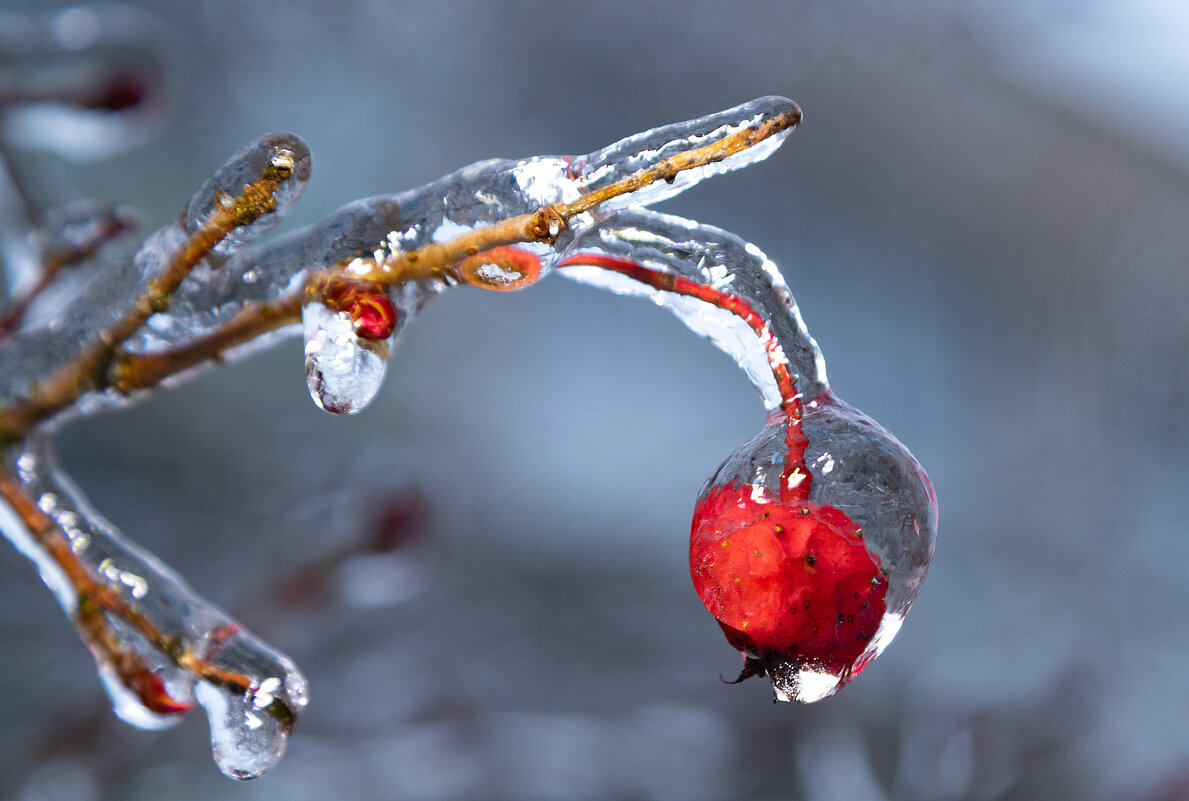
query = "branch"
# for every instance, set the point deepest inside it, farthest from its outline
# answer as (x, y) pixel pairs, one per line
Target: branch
(86, 372)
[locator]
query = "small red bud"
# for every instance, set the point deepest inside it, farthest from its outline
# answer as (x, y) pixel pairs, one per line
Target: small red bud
(373, 316)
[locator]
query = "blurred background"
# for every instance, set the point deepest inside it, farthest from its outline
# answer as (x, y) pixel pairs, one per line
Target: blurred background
(483, 576)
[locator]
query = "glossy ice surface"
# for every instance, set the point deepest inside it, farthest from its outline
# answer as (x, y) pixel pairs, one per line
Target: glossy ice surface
(251, 693)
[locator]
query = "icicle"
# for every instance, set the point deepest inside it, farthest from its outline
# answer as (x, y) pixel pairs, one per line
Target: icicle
(249, 727)
(158, 645)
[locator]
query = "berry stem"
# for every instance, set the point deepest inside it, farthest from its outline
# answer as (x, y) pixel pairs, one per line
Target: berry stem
(795, 479)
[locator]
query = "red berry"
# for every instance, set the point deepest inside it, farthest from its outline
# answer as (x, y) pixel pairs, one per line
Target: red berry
(788, 583)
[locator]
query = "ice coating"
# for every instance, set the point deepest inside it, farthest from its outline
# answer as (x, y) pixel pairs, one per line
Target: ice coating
(810, 542)
(157, 644)
(72, 317)
(719, 260)
(474, 197)
(860, 470)
(96, 305)
(374, 228)
(646, 149)
(284, 154)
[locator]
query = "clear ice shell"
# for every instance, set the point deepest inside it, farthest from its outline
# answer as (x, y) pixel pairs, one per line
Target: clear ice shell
(172, 637)
(56, 336)
(270, 152)
(858, 467)
(250, 729)
(196, 652)
(618, 161)
(718, 259)
(475, 196)
(343, 371)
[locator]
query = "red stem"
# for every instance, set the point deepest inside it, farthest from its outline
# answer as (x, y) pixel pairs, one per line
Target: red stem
(795, 479)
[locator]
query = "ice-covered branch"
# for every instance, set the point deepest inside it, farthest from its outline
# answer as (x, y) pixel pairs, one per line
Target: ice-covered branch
(808, 544)
(157, 644)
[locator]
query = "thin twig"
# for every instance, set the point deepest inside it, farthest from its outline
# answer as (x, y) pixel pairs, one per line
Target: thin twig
(56, 259)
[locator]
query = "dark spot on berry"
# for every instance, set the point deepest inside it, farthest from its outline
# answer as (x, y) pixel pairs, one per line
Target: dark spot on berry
(811, 560)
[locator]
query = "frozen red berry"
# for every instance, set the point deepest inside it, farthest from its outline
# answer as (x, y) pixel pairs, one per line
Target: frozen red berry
(792, 585)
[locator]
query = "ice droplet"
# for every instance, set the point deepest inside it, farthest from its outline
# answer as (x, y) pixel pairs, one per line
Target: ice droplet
(283, 156)
(811, 584)
(343, 371)
(250, 727)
